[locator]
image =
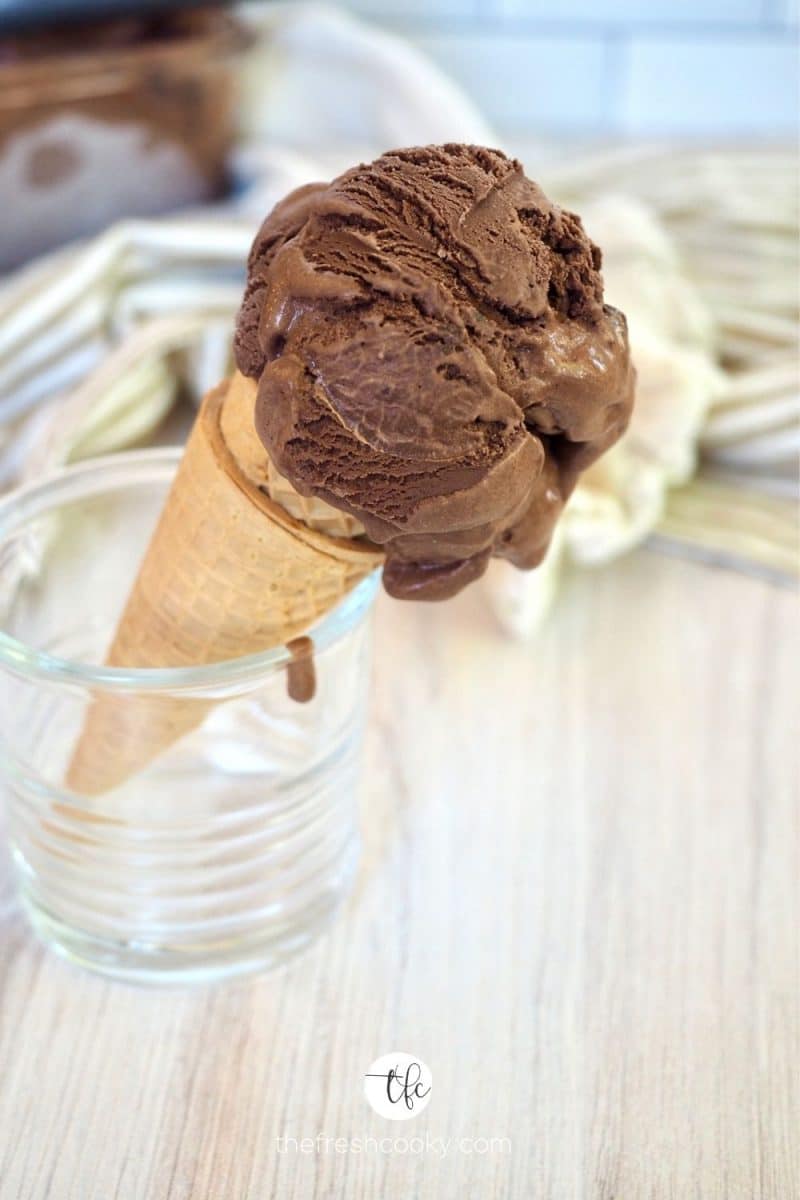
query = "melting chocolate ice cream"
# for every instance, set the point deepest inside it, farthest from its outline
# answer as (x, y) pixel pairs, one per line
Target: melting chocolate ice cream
(434, 356)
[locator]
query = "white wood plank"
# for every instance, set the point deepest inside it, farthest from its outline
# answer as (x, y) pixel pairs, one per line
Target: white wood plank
(579, 905)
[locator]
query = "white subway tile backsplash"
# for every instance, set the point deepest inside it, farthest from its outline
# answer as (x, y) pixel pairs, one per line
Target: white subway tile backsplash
(705, 68)
(529, 82)
(779, 13)
(728, 85)
(631, 13)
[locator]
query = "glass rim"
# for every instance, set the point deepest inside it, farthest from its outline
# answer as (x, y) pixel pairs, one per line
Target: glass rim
(100, 474)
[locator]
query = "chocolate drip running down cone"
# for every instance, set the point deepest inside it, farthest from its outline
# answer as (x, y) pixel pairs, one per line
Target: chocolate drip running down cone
(239, 563)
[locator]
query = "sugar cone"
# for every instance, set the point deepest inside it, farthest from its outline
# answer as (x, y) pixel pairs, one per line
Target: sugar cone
(229, 571)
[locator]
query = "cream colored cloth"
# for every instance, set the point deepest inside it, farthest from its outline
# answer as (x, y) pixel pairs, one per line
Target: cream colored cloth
(700, 251)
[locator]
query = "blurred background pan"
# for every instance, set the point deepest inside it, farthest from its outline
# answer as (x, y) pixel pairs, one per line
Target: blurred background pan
(109, 110)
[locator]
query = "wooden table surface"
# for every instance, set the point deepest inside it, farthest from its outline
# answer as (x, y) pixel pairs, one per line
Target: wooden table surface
(578, 905)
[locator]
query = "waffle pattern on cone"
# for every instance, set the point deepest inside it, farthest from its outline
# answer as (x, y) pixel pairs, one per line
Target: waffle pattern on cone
(316, 514)
(227, 573)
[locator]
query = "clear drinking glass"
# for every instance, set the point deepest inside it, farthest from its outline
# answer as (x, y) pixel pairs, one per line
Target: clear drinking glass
(231, 850)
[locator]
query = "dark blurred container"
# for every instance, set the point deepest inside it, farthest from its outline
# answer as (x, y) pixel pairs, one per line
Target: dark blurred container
(117, 117)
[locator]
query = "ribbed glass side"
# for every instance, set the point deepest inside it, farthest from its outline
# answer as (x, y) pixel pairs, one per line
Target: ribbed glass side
(230, 851)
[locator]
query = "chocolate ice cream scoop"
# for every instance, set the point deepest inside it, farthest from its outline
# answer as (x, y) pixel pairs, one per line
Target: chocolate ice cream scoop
(433, 356)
